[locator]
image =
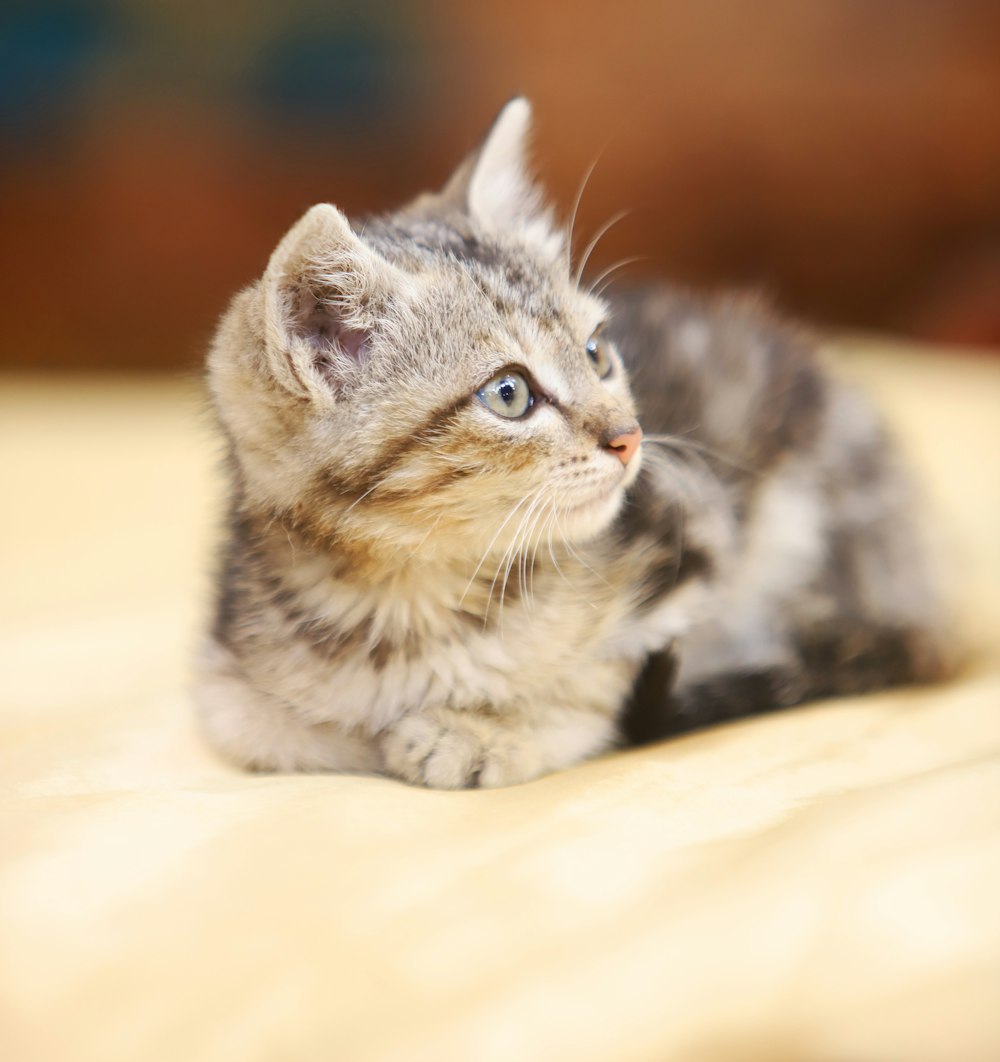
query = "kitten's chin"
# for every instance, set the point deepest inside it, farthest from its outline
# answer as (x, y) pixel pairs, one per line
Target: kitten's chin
(585, 520)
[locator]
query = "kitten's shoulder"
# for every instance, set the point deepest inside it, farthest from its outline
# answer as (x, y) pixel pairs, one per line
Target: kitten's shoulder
(725, 370)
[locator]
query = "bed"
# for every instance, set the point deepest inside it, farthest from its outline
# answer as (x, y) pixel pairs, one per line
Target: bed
(822, 883)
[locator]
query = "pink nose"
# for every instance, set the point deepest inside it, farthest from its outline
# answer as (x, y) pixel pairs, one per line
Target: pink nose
(624, 445)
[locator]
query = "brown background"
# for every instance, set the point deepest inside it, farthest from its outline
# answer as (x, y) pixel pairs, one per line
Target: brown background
(843, 155)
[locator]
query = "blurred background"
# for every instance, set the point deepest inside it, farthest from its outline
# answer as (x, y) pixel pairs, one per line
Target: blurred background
(842, 155)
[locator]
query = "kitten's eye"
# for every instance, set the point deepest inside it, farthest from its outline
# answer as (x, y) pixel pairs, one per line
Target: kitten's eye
(507, 395)
(597, 351)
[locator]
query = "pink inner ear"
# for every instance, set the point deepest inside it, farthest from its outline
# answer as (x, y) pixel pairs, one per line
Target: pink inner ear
(329, 338)
(353, 343)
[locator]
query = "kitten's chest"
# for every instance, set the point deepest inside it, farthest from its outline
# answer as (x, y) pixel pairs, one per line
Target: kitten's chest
(539, 646)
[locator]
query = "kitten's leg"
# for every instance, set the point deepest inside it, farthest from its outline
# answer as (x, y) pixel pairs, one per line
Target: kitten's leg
(862, 659)
(857, 657)
(258, 732)
(448, 748)
(658, 707)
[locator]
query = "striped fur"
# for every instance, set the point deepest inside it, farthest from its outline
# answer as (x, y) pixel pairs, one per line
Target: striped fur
(414, 585)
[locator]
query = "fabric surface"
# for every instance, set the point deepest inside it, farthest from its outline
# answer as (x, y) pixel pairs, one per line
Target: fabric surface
(817, 884)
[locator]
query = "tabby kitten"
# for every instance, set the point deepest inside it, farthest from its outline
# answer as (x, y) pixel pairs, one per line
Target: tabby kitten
(453, 558)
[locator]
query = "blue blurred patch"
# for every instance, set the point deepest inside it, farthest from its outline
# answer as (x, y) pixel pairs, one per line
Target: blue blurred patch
(339, 74)
(47, 51)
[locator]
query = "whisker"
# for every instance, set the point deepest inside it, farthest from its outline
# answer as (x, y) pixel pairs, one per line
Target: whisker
(475, 283)
(601, 232)
(538, 541)
(573, 213)
(692, 488)
(356, 501)
(529, 564)
(612, 269)
(430, 531)
(486, 552)
(522, 558)
(678, 441)
(551, 527)
(511, 553)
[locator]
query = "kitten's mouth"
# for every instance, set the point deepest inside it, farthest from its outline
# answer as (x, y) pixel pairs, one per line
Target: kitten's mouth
(608, 491)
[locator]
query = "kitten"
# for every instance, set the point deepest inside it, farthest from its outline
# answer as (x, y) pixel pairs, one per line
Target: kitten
(453, 558)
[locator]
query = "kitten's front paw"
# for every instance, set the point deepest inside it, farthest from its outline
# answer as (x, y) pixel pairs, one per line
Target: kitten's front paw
(446, 749)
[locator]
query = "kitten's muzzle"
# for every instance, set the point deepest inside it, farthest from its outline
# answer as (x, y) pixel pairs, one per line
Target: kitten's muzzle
(622, 444)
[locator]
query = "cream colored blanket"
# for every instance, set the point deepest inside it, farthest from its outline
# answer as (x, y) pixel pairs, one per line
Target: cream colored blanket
(818, 884)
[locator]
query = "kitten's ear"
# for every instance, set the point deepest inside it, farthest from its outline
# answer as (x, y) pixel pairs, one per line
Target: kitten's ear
(324, 291)
(493, 185)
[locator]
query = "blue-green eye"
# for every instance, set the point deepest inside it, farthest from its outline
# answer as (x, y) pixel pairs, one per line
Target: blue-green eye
(508, 395)
(597, 351)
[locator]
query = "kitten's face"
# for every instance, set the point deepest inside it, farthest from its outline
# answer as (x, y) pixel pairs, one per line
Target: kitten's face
(439, 383)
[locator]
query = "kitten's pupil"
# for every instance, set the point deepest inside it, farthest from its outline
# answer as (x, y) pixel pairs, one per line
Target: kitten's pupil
(507, 390)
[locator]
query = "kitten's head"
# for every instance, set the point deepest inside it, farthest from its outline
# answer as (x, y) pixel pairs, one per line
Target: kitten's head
(434, 380)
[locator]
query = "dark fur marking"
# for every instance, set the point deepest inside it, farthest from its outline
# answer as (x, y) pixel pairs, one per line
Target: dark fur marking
(333, 480)
(647, 514)
(655, 711)
(641, 717)
(861, 660)
(380, 654)
(664, 578)
(435, 426)
(853, 661)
